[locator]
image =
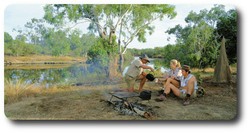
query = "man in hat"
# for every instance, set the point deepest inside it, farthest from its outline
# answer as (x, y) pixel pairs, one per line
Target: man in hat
(135, 72)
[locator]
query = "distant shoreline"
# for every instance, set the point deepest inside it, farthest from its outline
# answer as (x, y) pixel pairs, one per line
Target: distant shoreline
(42, 59)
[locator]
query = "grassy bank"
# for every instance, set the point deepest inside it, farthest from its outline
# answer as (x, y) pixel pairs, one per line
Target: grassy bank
(42, 59)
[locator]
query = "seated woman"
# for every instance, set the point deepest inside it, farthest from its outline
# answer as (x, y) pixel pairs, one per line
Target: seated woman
(174, 75)
(188, 87)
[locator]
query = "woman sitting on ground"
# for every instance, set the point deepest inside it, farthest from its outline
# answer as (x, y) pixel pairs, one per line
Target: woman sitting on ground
(188, 87)
(174, 75)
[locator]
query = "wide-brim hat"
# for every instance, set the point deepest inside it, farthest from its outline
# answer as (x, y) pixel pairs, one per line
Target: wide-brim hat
(145, 57)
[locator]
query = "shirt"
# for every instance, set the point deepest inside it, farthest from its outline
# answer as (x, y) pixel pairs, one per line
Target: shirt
(176, 73)
(184, 81)
(134, 69)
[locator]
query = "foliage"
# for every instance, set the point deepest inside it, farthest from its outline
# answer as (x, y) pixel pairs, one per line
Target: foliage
(197, 43)
(227, 27)
(20, 48)
(97, 53)
(7, 38)
(117, 25)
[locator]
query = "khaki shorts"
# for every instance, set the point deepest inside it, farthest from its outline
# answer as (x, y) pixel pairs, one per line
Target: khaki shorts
(130, 81)
(183, 94)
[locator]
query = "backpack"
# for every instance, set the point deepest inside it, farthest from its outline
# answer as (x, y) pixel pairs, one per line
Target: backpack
(145, 95)
(200, 92)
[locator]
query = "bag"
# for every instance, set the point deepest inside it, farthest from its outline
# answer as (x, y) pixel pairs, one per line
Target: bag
(150, 77)
(145, 95)
(200, 92)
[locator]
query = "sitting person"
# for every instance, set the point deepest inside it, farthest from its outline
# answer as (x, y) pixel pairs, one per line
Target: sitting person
(186, 91)
(135, 72)
(173, 76)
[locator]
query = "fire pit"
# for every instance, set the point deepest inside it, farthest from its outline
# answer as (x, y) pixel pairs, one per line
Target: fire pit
(123, 106)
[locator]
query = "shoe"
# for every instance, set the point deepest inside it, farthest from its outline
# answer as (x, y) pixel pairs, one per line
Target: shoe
(161, 98)
(186, 102)
(160, 92)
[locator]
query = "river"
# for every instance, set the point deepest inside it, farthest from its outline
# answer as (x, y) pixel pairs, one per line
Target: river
(48, 75)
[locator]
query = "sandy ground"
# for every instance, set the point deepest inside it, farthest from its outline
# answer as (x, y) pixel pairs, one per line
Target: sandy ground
(90, 103)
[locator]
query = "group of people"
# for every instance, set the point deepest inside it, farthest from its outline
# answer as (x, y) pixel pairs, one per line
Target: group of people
(178, 80)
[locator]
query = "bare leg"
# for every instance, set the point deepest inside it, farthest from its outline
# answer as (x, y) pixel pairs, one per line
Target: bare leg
(175, 90)
(172, 81)
(130, 82)
(143, 80)
(167, 90)
(190, 91)
(131, 89)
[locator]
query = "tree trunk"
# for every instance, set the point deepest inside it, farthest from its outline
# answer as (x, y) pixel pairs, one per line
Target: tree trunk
(121, 61)
(113, 67)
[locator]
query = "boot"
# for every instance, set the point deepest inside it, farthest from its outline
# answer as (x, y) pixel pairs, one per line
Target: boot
(186, 100)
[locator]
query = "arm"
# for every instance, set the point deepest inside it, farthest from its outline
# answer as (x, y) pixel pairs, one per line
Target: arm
(177, 75)
(190, 86)
(147, 67)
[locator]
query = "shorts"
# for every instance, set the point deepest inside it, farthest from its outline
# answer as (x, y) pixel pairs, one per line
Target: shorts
(183, 94)
(130, 81)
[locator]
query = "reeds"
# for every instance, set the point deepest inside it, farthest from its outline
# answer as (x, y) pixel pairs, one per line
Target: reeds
(16, 90)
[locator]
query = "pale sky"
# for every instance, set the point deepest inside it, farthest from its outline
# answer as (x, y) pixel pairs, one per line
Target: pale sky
(17, 15)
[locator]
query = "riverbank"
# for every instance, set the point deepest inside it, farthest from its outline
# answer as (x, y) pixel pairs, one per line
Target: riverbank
(43, 59)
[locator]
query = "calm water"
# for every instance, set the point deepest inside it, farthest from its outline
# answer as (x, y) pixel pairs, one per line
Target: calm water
(56, 74)
(59, 75)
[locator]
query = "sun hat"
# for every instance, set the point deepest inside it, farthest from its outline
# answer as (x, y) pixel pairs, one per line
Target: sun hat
(145, 57)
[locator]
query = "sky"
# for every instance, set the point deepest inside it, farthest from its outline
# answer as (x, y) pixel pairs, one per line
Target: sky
(17, 15)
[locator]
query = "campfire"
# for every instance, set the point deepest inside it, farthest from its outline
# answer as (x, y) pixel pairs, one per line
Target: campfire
(124, 107)
(133, 109)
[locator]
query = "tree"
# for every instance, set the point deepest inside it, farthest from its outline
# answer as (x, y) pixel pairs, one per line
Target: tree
(227, 27)
(199, 37)
(117, 24)
(35, 29)
(7, 37)
(58, 42)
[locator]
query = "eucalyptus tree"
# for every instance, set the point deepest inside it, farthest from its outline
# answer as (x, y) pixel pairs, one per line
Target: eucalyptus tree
(35, 30)
(199, 37)
(117, 24)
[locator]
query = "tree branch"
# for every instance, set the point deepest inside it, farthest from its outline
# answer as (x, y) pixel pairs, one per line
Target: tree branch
(136, 32)
(122, 17)
(79, 23)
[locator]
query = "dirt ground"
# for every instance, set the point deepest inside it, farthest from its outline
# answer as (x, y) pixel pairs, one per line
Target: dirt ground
(90, 103)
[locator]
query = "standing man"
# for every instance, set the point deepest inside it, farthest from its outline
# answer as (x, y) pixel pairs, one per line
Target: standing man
(135, 72)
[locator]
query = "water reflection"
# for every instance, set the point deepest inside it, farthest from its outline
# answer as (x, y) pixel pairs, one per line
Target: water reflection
(51, 76)
(62, 74)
